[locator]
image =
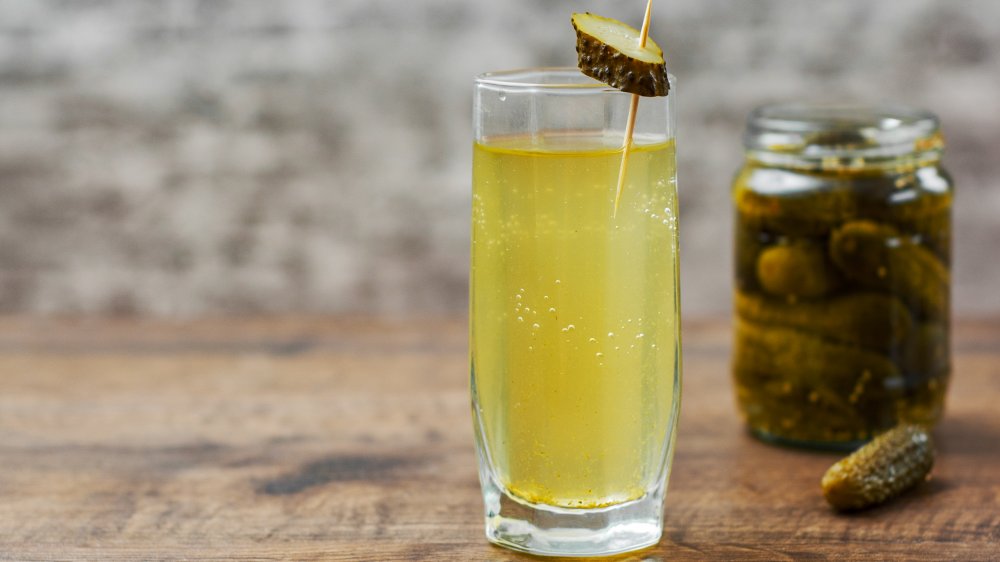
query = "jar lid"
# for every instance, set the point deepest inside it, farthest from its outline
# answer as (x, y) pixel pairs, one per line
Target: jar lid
(841, 136)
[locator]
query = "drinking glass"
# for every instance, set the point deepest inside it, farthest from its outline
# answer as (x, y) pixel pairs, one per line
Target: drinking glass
(574, 313)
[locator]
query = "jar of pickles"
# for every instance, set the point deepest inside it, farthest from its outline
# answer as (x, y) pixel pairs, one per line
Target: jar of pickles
(842, 263)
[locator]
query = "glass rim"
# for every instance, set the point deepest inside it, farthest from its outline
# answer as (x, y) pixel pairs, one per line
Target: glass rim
(508, 79)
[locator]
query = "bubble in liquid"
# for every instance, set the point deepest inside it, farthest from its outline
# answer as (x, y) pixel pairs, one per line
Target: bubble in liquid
(535, 326)
(599, 354)
(545, 297)
(640, 335)
(517, 297)
(520, 318)
(502, 96)
(552, 310)
(558, 282)
(592, 340)
(611, 334)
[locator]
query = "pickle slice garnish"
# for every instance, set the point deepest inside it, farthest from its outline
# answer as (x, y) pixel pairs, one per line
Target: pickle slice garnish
(613, 52)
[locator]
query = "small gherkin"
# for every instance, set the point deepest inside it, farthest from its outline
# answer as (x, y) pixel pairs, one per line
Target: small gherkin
(797, 270)
(870, 320)
(876, 255)
(881, 470)
(608, 50)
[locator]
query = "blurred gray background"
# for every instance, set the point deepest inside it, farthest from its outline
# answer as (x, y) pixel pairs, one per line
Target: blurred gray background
(192, 157)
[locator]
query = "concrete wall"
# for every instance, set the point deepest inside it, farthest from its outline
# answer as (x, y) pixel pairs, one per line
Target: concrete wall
(192, 157)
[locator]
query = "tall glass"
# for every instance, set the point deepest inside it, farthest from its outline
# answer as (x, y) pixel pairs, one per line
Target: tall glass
(574, 313)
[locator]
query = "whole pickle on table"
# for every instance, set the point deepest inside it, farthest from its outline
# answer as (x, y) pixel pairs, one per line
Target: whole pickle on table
(797, 269)
(881, 470)
(876, 255)
(805, 212)
(814, 362)
(871, 320)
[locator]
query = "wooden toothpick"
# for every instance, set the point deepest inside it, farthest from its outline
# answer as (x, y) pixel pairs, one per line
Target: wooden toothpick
(632, 110)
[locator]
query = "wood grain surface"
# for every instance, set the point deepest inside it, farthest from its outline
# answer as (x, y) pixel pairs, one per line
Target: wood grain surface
(350, 439)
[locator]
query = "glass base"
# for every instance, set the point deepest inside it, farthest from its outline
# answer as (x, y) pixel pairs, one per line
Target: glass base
(553, 531)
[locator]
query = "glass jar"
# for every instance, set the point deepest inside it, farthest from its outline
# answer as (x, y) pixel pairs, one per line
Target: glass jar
(842, 265)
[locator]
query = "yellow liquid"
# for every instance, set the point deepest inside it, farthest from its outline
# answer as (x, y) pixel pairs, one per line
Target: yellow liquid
(574, 316)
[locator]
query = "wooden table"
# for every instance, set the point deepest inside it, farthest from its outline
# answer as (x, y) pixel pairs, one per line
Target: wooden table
(350, 439)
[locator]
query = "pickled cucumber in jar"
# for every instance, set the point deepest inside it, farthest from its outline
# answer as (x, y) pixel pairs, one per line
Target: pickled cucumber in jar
(842, 255)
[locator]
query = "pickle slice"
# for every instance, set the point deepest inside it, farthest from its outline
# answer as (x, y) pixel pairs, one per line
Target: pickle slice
(608, 50)
(881, 470)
